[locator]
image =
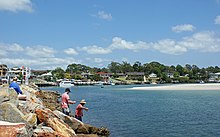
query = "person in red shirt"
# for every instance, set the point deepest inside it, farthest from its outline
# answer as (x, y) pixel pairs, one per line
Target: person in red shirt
(79, 110)
(66, 101)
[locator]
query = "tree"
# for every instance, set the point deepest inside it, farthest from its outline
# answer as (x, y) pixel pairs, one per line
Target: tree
(96, 77)
(126, 67)
(114, 67)
(77, 68)
(137, 67)
(180, 69)
(58, 73)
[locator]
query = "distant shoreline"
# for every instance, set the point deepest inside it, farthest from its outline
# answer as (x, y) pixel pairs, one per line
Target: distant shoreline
(209, 86)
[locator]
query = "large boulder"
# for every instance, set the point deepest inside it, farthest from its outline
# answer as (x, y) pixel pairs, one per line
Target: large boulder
(9, 112)
(50, 119)
(74, 123)
(8, 129)
(7, 94)
(43, 132)
(31, 119)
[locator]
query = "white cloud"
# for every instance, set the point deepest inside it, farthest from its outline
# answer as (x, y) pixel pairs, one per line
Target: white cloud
(16, 5)
(96, 50)
(203, 41)
(3, 53)
(119, 43)
(39, 63)
(98, 60)
(40, 51)
(184, 27)
(15, 47)
(8, 49)
(169, 47)
(11, 47)
(71, 51)
(200, 42)
(217, 20)
(104, 15)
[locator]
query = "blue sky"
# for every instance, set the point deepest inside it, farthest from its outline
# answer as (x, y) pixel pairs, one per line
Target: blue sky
(45, 34)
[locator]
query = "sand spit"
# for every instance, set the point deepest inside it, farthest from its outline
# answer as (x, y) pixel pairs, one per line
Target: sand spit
(209, 86)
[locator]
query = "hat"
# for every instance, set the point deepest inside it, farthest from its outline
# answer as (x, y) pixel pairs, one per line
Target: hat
(83, 101)
(67, 90)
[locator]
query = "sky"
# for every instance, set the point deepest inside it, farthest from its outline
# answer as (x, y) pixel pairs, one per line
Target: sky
(46, 34)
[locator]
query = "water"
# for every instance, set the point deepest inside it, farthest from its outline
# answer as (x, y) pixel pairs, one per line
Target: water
(130, 113)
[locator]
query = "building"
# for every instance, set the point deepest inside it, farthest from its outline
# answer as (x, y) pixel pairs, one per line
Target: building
(153, 75)
(3, 70)
(214, 77)
(105, 76)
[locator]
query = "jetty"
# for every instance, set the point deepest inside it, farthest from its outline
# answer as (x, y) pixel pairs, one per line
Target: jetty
(39, 115)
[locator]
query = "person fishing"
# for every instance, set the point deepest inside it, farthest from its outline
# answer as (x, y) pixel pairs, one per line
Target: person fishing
(66, 101)
(79, 110)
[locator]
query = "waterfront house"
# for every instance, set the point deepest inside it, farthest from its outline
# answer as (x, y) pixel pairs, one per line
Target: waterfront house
(135, 75)
(152, 75)
(106, 76)
(170, 75)
(120, 75)
(214, 77)
(153, 78)
(86, 75)
(3, 70)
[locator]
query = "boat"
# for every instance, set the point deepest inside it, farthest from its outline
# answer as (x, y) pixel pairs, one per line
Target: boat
(66, 84)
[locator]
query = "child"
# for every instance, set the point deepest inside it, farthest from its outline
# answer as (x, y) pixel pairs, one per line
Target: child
(79, 110)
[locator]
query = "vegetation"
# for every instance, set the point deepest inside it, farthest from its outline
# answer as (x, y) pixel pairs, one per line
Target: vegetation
(182, 74)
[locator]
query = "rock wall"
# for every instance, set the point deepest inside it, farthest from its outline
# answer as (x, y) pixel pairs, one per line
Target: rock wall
(39, 115)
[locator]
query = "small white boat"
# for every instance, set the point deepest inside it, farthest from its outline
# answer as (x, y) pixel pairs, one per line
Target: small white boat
(66, 84)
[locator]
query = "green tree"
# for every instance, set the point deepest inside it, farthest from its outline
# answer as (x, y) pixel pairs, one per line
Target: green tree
(137, 67)
(114, 67)
(126, 67)
(96, 77)
(58, 73)
(180, 69)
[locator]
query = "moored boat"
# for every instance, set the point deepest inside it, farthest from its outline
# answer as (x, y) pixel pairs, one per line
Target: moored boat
(66, 84)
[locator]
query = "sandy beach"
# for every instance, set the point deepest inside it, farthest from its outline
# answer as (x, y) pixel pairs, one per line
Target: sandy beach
(210, 86)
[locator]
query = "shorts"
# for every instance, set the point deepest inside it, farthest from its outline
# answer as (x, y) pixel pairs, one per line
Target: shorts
(66, 111)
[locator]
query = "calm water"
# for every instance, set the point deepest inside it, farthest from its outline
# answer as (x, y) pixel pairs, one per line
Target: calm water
(130, 113)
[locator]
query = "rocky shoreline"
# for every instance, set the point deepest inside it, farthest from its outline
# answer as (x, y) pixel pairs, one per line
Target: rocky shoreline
(40, 115)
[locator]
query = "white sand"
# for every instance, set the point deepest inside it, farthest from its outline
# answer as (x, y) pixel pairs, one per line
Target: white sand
(211, 86)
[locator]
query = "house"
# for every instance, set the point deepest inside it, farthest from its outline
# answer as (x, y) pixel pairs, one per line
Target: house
(86, 75)
(135, 75)
(152, 75)
(170, 75)
(214, 77)
(106, 76)
(120, 75)
(3, 70)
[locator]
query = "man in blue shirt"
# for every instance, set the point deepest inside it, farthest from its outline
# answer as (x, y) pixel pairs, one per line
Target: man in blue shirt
(15, 86)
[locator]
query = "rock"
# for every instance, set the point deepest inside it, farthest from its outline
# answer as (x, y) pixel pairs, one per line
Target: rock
(60, 127)
(103, 131)
(87, 135)
(50, 99)
(4, 96)
(52, 120)
(9, 112)
(8, 129)
(72, 122)
(43, 132)
(31, 118)
(7, 94)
